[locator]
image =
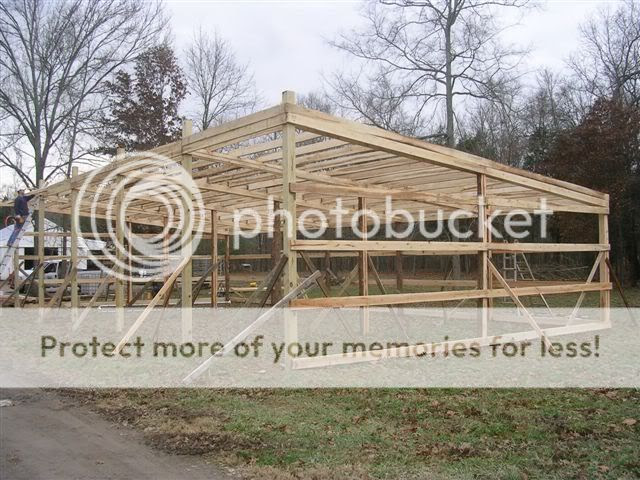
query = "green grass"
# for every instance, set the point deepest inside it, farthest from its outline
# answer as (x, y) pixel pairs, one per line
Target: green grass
(347, 433)
(402, 433)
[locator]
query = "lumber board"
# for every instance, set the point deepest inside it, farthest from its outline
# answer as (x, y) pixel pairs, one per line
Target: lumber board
(592, 274)
(342, 129)
(230, 345)
(378, 192)
(106, 280)
(443, 247)
(514, 296)
(147, 311)
(427, 297)
(265, 289)
(57, 297)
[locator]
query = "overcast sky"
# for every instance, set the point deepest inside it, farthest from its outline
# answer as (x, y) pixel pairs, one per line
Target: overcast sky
(284, 41)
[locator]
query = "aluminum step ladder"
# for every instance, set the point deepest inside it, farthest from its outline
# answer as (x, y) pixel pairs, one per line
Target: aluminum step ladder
(8, 255)
(510, 266)
(515, 266)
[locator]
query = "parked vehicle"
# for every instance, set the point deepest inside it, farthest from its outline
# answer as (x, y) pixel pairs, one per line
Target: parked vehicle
(56, 270)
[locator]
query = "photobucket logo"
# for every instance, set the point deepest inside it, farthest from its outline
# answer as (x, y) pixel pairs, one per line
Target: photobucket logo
(143, 186)
(398, 224)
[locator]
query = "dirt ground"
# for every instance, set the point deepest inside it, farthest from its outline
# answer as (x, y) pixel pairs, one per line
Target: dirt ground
(45, 436)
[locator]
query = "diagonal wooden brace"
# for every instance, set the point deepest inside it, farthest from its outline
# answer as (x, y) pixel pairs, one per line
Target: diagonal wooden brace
(143, 316)
(517, 301)
(592, 274)
(231, 344)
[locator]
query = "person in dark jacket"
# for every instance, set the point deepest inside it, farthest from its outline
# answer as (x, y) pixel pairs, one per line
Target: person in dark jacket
(20, 213)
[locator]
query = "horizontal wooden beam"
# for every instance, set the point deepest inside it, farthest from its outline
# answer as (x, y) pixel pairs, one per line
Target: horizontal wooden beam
(441, 199)
(428, 297)
(445, 248)
(450, 201)
(255, 124)
(547, 247)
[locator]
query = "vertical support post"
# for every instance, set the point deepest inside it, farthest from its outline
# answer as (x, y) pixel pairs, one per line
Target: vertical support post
(17, 283)
(289, 198)
(483, 257)
(227, 267)
(363, 266)
(187, 272)
(41, 239)
(75, 300)
(214, 258)
(276, 253)
(130, 281)
(165, 251)
(290, 221)
(119, 282)
(399, 274)
(605, 295)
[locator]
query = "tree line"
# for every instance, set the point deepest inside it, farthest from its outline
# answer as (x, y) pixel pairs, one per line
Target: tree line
(80, 77)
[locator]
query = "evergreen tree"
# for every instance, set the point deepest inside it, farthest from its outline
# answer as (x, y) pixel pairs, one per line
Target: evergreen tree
(143, 107)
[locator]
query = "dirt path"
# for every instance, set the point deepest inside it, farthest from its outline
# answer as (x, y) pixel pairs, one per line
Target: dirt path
(44, 437)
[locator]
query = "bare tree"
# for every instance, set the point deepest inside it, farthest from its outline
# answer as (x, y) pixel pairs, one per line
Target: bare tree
(522, 126)
(375, 100)
(55, 57)
(430, 54)
(608, 63)
(428, 57)
(495, 129)
(317, 100)
(222, 87)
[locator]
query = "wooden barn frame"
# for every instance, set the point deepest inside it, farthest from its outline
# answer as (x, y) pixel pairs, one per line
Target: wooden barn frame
(304, 159)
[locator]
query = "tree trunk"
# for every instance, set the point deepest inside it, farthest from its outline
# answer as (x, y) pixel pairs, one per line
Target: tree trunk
(456, 274)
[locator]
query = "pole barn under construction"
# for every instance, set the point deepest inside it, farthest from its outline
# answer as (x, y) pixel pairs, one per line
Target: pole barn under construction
(303, 160)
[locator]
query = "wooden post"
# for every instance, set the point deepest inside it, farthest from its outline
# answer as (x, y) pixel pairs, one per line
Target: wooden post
(214, 258)
(130, 281)
(276, 253)
(227, 267)
(289, 198)
(165, 251)
(483, 257)
(16, 273)
(187, 272)
(363, 266)
(119, 282)
(399, 283)
(603, 238)
(327, 261)
(41, 239)
(290, 223)
(75, 227)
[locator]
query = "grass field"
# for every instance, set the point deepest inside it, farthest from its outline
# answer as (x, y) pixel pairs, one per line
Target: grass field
(401, 433)
(338, 434)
